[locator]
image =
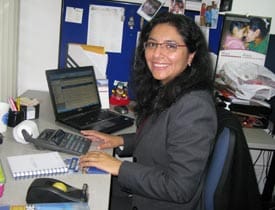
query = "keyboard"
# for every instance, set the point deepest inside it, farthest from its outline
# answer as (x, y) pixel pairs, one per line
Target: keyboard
(94, 117)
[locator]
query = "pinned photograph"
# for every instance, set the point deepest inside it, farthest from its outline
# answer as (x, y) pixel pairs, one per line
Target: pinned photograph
(209, 13)
(177, 6)
(246, 33)
(149, 8)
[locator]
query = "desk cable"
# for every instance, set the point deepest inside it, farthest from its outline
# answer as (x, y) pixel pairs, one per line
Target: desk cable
(266, 157)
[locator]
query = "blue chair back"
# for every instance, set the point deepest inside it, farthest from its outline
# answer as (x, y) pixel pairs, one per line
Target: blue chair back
(219, 166)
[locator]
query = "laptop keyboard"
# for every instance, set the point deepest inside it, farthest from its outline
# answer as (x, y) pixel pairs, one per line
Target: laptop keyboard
(104, 120)
(92, 117)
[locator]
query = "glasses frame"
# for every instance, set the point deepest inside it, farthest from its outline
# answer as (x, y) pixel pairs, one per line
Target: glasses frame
(166, 44)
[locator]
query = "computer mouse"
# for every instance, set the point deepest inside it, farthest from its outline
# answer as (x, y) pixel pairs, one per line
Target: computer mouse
(121, 109)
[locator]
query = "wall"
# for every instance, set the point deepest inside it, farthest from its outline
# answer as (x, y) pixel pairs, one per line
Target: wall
(39, 36)
(38, 42)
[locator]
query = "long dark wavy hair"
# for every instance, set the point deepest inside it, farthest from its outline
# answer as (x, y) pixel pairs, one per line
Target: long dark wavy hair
(153, 97)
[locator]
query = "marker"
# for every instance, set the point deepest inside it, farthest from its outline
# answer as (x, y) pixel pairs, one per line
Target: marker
(18, 103)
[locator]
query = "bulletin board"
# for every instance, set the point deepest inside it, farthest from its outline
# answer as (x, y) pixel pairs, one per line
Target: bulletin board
(119, 64)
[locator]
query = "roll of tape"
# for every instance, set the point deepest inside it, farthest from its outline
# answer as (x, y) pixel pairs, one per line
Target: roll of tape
(29, 126)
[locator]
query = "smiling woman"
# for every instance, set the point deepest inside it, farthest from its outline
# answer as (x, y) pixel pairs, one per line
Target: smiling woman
(176, 121)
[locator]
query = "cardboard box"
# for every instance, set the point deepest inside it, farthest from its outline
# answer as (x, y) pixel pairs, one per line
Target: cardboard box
(31, 112)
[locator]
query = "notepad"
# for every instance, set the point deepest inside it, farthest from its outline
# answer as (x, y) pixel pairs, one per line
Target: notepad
(34, 165)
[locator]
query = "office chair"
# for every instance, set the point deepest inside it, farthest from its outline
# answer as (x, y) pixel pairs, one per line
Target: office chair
(219, 166)
(231, 182)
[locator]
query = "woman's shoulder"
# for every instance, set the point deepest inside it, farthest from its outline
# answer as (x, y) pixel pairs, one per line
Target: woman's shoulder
(197, 96)
(197, 101)
(203, 94)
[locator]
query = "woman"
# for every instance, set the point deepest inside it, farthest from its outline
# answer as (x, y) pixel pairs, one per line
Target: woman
(176, 119)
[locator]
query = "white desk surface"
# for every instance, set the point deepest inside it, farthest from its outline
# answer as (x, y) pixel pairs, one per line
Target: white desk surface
(16, 190)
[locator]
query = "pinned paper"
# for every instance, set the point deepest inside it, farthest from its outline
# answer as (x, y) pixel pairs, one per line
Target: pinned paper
(74, 15)
(88, 55)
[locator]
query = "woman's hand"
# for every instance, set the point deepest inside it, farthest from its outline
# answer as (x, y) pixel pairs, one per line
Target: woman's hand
(105, 141)
(100, 160)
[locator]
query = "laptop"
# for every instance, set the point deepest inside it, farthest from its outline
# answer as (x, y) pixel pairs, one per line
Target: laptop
(76, 102)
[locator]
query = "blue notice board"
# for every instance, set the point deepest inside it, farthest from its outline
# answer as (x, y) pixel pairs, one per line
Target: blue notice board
(119, 64)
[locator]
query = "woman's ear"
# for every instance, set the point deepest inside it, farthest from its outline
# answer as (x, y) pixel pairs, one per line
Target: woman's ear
(190, 58)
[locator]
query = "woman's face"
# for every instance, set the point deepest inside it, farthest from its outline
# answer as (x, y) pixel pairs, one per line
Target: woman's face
(165, 64)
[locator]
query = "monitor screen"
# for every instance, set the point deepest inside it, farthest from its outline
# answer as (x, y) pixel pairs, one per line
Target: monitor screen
(73, 89)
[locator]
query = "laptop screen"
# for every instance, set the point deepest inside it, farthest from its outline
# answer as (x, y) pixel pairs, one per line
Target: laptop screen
(73, 89)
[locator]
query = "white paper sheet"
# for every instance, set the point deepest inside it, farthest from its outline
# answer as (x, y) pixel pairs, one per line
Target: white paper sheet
(105, 27)
(87, 58)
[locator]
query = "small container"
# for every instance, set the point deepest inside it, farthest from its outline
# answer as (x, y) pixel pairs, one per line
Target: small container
(15, 117)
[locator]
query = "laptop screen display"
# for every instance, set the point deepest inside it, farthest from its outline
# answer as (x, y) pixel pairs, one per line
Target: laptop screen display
(73, 89)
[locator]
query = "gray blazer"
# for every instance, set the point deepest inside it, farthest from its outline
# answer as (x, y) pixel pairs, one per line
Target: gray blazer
(170, 155)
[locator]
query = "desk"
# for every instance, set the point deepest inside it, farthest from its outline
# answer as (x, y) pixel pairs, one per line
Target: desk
(16, 190)
(258, 139)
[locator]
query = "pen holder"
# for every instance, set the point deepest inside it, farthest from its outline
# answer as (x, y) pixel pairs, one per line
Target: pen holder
(15, 117)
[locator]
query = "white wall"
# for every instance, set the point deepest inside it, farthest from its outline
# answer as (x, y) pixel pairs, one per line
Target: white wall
(39, 36)
(38, 42)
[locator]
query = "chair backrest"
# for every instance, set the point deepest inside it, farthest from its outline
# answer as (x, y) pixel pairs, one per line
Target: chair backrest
(219, 166)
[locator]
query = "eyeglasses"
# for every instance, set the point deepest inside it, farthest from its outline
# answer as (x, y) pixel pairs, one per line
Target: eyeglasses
(167, 46)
